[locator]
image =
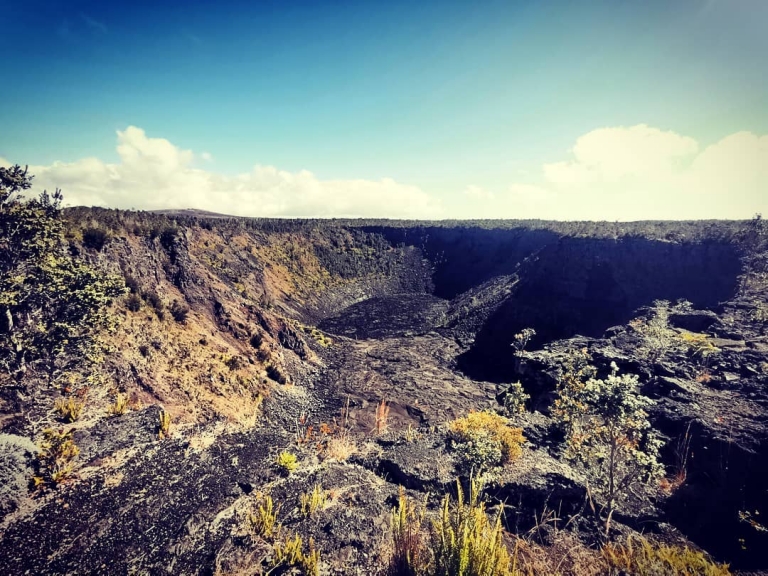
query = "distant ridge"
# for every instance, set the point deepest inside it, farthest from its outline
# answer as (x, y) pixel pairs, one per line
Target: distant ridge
(193, 212)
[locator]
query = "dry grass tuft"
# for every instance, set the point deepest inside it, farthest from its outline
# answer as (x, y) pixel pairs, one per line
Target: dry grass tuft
(120, 405)
(290, 554)
(313, 501)
(55, 459)
(340, 448)
(640, 557)
(566, 556)
(69, 409)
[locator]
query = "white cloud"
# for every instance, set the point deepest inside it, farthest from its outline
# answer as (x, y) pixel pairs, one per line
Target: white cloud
(618, 173)
(611, 154)
(153, 173)
(640, 172)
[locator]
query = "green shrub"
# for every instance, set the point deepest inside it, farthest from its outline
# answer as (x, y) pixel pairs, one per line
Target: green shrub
(657, 338)
(519, 342)
(276, 374)
(133, 303)
(179, 312)
(608, 431)
(153, 299)
(234, 362)
(760, 312)
(132, 284)
(168, 236)
(256, 339)
(484, 441)
(515, 399)
(53, 304)
(287, 462)
(95, 238)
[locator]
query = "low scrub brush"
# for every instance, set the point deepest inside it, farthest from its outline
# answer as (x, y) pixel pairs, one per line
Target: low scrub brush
(485, 440)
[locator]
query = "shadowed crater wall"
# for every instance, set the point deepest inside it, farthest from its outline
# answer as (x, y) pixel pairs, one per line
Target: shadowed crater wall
(563, 285)
(465, 257)
(583, 286)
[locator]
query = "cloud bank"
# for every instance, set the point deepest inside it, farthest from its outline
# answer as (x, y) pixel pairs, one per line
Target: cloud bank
(616, 173)
(154, 174)
(641, 172)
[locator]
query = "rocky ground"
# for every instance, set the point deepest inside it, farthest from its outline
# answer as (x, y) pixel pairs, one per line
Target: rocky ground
(138, 504)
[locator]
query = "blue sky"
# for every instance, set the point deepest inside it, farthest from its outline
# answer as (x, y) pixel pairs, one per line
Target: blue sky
(460, 103)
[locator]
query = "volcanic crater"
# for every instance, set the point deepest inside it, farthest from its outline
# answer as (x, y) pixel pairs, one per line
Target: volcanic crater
(331, 322)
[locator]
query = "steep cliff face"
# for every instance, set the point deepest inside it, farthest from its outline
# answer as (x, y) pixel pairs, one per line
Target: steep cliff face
(251, 295)
(465, 257)
(583, 286)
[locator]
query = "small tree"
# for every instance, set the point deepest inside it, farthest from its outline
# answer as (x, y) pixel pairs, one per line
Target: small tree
(608, 431)
(519, 342)
(51, 306)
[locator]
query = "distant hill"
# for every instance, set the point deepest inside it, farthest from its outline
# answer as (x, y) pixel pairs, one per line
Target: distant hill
(193, 212)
